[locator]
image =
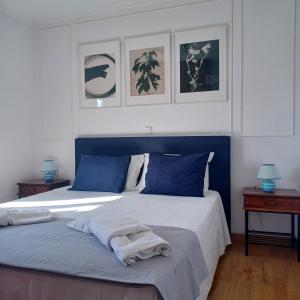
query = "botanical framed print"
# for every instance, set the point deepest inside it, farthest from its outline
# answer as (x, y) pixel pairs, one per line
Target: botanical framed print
(100, 74)
(147, 67)
(200, 63)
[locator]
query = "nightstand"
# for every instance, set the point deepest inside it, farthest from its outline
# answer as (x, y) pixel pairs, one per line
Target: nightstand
(38, 186)
(281, 201)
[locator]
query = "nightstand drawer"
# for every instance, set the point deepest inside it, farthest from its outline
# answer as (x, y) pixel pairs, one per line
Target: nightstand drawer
(274, 204)
(38, 186)
(32, 190)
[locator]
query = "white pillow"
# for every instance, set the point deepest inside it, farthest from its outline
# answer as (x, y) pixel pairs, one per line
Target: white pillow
(142, 183)
(134, 169)
(206, 177)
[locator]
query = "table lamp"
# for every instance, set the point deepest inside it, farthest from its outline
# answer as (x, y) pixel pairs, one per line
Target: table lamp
(268, 173)
(49, 169)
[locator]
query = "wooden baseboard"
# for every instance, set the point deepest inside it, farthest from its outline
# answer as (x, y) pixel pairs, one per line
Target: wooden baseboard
(237, 237)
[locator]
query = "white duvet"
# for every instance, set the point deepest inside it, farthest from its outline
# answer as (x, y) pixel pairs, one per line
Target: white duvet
(205, 216)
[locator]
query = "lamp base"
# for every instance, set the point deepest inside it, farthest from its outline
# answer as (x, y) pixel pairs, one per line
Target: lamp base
(268, 185)
(49, 176)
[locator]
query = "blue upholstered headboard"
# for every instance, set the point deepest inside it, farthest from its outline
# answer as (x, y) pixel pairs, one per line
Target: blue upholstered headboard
(219, 171)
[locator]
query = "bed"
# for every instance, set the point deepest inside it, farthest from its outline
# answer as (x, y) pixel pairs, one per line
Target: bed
(207, 218)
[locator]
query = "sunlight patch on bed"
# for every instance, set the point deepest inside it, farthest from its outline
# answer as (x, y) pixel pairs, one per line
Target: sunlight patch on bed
(75, 208)
(64, 202)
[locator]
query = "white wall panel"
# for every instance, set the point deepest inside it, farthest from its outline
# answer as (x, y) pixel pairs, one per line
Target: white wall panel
(268, 67)
(16, 106)
(54, 100)
(54, 84)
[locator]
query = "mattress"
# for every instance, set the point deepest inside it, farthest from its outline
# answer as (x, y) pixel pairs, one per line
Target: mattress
(204, 216)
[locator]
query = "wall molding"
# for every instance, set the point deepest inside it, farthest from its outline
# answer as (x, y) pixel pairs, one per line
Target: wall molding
(120, 11)
(293, 71)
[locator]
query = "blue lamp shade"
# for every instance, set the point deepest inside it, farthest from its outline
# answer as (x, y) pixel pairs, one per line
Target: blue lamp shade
(49, 170)
(268, 173)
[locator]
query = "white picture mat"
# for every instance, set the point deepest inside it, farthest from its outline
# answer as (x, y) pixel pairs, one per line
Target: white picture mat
(199, 35)
(100, 48)
(150, 41)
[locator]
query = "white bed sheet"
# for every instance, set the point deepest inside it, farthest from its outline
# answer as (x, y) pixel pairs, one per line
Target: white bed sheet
(204, 216)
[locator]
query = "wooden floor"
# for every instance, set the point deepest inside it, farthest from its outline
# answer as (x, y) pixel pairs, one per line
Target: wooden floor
(268, 273)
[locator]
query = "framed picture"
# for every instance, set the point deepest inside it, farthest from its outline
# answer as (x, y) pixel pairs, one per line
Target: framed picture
(200, 63)
(147, 67)
(100, 74)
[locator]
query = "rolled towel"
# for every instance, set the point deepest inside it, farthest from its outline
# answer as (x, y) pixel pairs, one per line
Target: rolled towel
(28, 216)
(127, 237)
(142, 245)
(3, 218)
(105, 229)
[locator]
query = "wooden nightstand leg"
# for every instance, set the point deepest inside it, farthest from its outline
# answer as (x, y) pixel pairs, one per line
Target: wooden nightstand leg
(293, 229)
(298, 239)
(246, 232)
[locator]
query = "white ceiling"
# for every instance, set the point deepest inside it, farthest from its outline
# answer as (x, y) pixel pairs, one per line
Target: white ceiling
(35, 12)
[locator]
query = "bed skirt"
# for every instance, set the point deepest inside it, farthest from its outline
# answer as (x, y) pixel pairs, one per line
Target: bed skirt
(21, 284)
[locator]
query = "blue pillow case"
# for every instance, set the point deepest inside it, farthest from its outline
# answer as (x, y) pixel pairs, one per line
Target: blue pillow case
(101, 174)
(176, 175)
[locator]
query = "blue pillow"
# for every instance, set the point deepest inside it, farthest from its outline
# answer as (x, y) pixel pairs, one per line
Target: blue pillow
(101, 174)
(176, 175)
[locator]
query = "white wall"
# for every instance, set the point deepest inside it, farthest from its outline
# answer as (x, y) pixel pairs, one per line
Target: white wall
(266, 126)
(56, 140)
(16, 106)
(260, 101)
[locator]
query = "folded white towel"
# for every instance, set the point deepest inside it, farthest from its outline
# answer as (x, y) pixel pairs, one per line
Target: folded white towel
(127, 237)
(3, 218)
(107, 228)
(24, 216)
(142, 245)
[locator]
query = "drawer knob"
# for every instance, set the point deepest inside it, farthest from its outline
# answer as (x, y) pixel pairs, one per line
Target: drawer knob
(272, 202)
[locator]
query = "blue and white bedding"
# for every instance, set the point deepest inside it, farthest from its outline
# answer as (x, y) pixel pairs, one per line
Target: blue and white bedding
(204, 216)
(44, 246)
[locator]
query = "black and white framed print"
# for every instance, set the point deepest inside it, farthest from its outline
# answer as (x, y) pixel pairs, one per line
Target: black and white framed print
(200, 62)
(100, 74)
(147, 69)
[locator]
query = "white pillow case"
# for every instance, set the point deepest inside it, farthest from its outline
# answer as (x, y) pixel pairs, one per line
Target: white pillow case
(142, 183)
(206, 177)
(134, 169)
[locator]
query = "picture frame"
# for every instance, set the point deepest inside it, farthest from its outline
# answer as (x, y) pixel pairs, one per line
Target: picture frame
(148, 69)
(100, 74)
(201, 65)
